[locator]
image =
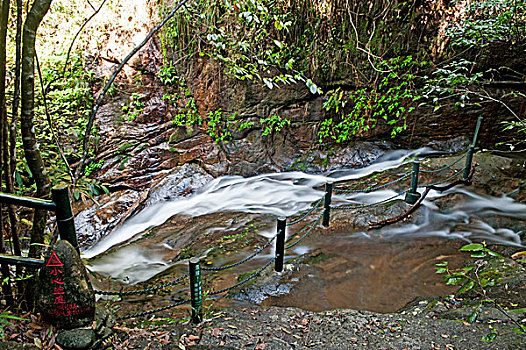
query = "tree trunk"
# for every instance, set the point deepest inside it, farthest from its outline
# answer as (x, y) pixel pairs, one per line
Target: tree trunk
(31, 150)
(13, 128)
(4, 15)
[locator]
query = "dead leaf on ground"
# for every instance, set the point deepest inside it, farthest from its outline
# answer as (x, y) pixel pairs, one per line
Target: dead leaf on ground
(260, 346)
(216, 332)
(519, 254)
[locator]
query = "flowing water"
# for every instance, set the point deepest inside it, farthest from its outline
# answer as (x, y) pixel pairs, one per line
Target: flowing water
(379, 270)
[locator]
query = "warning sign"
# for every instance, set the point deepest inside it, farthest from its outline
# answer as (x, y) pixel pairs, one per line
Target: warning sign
(54, 260)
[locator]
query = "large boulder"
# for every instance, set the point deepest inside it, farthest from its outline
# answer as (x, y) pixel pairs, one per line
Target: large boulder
(65, 295)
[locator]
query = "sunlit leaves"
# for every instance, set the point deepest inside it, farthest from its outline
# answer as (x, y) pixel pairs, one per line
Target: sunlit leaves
(274, 123)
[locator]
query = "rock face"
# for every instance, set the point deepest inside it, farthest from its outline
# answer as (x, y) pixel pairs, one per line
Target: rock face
(65, 295)
(100, 218)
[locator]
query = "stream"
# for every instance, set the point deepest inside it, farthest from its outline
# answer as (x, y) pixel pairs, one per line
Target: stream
(344, 267)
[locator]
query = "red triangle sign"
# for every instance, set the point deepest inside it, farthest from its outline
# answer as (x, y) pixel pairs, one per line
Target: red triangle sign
(54, 260)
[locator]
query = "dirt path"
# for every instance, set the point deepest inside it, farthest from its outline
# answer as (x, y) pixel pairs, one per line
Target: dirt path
(290, 328)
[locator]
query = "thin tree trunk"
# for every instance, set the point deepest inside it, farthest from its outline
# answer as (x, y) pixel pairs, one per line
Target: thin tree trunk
(31, 149)
(4, 16)
(13, 219)
(13, 128)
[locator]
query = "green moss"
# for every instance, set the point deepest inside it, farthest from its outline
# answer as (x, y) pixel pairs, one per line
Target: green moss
(319, 258)
(126, 146)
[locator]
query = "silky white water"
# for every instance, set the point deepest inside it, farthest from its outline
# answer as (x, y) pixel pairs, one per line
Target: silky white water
(286, 194)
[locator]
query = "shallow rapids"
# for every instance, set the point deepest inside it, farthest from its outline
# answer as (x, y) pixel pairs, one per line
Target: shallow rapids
(282, 194)
(468, 216)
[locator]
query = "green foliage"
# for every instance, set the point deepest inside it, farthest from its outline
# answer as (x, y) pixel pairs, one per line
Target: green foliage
(219, 126)
(188, 115)
(486, 21)
(182, 99)
(479, 25)
(468, 277)
(451, 80)
(4, 317)
(135, 108)
(273, 123)
(168, 75)
(69, 101)
(389, 101)
(471, 279)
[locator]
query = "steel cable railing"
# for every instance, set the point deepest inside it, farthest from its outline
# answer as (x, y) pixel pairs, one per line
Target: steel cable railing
(249, 278)
(141, 291)
(310, 211)
(308, 229)
(372, 189)
(306, 234)
(368, 205)
(252, 256)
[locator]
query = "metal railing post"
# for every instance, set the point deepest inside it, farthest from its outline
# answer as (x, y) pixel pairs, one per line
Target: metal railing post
(412, 196)
(64, 214)
(196, 290)
(280, 244)
(477, 129)
(327, 204)
(469, 160)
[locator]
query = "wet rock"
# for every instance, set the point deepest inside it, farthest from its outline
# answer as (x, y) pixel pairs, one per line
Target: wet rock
(65, 295)
(458, 144)
(181, 182)
(99, 219)
(357, 156)
(76, 339)
(256, 294)
(109, 212)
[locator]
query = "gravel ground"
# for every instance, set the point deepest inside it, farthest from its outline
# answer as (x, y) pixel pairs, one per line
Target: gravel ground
(290, 328)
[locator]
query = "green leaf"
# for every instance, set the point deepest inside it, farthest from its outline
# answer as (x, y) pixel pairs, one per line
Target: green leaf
(455, 280)
(486, 282)
(518, 311)
(472, 247)
(473, 317)
(490, 337)
(521, 330)
(105, 189)
(479, 255)
(466, 287)
(492, 253)
(312, 87)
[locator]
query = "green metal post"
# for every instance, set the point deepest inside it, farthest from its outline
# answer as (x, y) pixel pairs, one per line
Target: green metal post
(469, 160)
(327, 204)
(412, 196)
(196, 290)
(65, 220)
(477, 129)
(280, 244)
